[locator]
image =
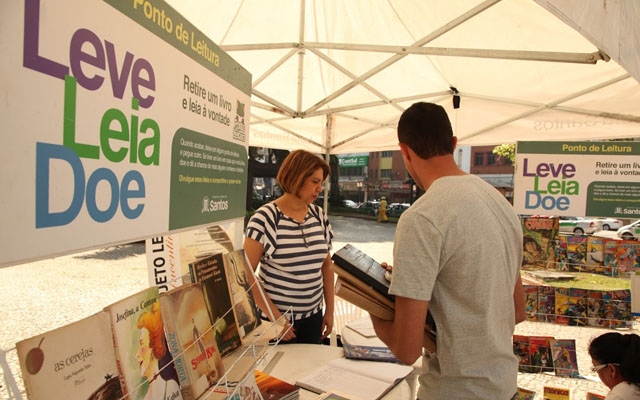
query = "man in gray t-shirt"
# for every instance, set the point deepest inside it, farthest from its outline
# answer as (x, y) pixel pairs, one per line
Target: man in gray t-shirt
(457, 254)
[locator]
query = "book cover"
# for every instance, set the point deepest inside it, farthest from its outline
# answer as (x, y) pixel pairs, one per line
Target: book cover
(272, 388)
(144, 361)
(540, 353)
(525, 394)
(562, 257)
(555, 393)
(531, 302)
(610, 257)
(75, 361)
(565, 361)
(564, 307)
(521, 350)
(595, 254)
(191, 339)
(539, 236)
(628, 256)
(546, 304)
(595, 396)
(576, 252)
(363, 267)
(617, 308)
(209, 272)
(370, 353)
(245, 310)
(577, 311)
(595, 310)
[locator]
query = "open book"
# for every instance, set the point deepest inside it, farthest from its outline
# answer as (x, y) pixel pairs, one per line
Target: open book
(361, 282)
(355, 379)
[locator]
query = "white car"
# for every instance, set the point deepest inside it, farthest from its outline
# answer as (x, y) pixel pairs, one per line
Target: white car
(349, 203)
(630, 232)
(579, 225)
(609, 224)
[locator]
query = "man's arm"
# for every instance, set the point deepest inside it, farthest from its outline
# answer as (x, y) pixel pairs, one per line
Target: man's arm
(519, 301)
(403, 335)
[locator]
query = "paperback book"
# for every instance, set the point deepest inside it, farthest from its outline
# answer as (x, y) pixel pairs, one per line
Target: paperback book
(565, 361)
(145, 364)
(556, 393)
(272, 388)
(75, 361)
(191, 339)
(525, 394)
(210, 273)
(245, 310)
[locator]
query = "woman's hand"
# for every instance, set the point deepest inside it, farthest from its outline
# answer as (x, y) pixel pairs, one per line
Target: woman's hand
(327, 325)
(288, 332)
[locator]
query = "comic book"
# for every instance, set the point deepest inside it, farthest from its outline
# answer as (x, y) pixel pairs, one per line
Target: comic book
(576, 252)
(628, 256)
(562, 258)
(564, 309)
(617, 308)
(595, 254)
(595, 312)
(565, 361)
(531, 302)
(595, 396)
(578, 305)
(540, 353)
(521, 350)
(546, 304)
(556, 393)
(539, 236)
(525, 394)
(610, 256)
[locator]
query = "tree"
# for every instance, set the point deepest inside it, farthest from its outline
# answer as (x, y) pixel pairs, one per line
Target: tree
(508, 151)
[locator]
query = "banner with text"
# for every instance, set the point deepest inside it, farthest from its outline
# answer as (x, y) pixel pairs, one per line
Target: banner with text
(121, 121)
(595, 179)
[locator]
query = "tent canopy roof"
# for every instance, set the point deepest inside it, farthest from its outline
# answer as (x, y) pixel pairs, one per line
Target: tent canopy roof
(334, 76)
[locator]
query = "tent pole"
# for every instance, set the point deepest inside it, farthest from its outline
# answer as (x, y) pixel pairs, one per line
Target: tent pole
(327, 158)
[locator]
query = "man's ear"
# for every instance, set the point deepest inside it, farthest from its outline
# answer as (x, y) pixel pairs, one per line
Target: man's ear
(404, 149)
(455, 142)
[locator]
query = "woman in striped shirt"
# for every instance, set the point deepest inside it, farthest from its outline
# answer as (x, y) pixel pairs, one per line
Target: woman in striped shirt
(290, 239)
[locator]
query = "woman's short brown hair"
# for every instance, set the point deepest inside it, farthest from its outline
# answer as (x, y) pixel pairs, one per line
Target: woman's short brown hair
(298, 166)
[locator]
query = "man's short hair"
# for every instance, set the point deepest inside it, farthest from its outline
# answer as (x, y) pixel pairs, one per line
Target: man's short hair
(426, 129)
(298, 166)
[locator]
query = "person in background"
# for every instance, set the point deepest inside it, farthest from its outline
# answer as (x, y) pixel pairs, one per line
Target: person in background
(616, 359)
(290, 239)
(382, 210)
(457, 255)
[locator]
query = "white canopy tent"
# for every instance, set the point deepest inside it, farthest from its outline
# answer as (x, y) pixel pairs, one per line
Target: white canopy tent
(333, 76)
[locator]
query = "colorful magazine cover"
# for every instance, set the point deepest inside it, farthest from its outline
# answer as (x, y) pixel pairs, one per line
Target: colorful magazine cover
(540, 353)
(628, 256)
(525, 394)
(237, 270)
(564, 309)
(562, 258)
(595, 312)
(576, 252)
(531, 302)
(578, 307)
(546, 304)
(556, 393)
(610, 262)
(595, 254)
(565, 361)
(617, 308)
(539, 236)
(521, 350)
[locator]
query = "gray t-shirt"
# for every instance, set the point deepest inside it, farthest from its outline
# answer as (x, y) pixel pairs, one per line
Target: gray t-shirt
(459, 246)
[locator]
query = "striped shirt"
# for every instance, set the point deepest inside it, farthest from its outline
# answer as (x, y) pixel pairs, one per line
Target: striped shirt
(291, 265)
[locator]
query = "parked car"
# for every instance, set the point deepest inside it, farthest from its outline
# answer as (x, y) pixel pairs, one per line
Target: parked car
(579, 225)
(396, 209)
(349, 203)
(630, 232)
(609, 224)
(370, 207)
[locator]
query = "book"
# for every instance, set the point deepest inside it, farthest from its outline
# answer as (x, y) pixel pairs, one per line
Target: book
(361, 281)
(539, 235)
(191, 339)
(595, 396)
(521, 350)
(245, 310)
(546, 304)
(555, 393)
(209, 272)
(565, 361)
(370, 353)
(145, 364)
(355, 379)
(272, 388)
(75, 361)
(331, 396)
(363, 267)
(595, 309)
(540, 353)
(525, 394)
(531, 302)
(610, 256)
